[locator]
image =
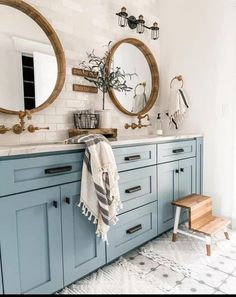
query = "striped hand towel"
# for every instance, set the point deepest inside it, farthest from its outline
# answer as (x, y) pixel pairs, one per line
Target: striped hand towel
(178, 106)
(99, 197)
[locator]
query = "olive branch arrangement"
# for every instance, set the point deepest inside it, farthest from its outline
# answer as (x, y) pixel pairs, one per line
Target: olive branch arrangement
(104, 78)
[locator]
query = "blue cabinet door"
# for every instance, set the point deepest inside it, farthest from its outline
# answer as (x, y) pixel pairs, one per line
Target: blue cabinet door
(30, 233)
(83, 252)
(187, 181)
(187, 177)
(175, 180)
(1, 288)
(167, 175)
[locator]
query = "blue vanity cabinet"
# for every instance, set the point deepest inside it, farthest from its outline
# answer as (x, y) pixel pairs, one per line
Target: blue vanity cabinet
(83, 251)
(133, 229)
(175, 180)
(31, 252)
(1, 288)
(137, 187)
(187, 177)
(46, 243)
(167, 192)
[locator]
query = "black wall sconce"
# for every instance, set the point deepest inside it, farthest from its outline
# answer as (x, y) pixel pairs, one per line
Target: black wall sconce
(138, 24)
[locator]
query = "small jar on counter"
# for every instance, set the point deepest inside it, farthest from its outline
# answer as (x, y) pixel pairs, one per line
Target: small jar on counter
(159, 130)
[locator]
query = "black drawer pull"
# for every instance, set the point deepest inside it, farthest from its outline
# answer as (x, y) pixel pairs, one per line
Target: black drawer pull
(182, 169)
(177, 171)
(55, 204)
(58, 170)
(133, 158)
(134, 229)
(67, 200)
(178, 151)
(133, 190)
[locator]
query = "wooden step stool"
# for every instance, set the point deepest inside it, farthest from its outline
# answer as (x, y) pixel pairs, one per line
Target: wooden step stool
(200, 219)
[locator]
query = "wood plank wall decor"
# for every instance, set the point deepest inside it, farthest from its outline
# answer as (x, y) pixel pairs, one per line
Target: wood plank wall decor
(84, 73)
(86, 89)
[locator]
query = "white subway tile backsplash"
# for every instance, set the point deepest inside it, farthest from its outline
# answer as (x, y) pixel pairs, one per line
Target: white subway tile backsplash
(82, 26)
(37, 136)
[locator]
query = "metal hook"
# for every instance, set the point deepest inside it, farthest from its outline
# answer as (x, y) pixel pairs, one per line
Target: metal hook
(179, 78)
(140, 84)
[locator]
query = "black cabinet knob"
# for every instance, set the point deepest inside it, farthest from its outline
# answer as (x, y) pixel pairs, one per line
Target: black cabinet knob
(182, 169)
(67, 200)
(55, 204)
(177, 171)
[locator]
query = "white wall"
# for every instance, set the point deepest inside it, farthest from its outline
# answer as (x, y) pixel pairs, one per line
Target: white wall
(198, 41)
(82, 26)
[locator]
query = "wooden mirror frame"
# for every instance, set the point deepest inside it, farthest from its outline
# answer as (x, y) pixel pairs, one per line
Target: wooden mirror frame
(154, 73)
(56, 44)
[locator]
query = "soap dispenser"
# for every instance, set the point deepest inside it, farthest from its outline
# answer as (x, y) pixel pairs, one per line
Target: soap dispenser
(159, 125)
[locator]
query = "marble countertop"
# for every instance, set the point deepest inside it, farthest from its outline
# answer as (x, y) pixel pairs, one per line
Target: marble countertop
(44, 147)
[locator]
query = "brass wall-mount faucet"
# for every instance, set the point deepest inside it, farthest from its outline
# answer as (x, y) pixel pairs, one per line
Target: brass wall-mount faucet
(20, 127)
(139, 125)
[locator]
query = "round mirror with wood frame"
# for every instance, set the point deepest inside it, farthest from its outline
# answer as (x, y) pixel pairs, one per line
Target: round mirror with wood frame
(152, 67)
(57, 47)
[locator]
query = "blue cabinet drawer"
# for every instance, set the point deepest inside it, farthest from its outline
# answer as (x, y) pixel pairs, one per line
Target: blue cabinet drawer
(20, 175)
(135, 156)
(167, 152)
(137, 187)
(133, 229)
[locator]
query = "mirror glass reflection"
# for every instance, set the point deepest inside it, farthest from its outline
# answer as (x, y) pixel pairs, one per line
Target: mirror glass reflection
(28, 65)
(130, 59)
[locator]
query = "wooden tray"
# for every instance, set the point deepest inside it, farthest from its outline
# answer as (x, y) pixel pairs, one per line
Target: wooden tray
(110, 133)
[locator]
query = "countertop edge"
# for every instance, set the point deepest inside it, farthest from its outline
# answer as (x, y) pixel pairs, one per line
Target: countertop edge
(27, 149)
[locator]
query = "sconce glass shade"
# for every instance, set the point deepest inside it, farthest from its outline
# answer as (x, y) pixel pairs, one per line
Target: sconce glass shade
(155, 31)
(122, 17)
(140, 24)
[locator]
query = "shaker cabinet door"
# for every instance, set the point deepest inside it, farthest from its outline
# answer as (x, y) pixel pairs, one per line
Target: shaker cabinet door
(175, 180)
(187, 181)
(30, 232)
(1, 288)
(167, 175)
(187, 177)
(83, 251)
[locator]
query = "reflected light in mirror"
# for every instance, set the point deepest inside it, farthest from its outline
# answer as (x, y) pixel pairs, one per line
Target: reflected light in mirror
(28, 71)
(130, 59)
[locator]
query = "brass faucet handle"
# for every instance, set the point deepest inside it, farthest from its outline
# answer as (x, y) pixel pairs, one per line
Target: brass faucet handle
(4, 129)
(32, 128)
(17, 129)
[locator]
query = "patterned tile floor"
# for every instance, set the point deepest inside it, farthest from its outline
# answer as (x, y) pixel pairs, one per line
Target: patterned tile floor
(165, 267)
(191, 272)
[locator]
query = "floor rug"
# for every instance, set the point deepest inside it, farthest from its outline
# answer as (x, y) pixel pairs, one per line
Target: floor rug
(163, 267)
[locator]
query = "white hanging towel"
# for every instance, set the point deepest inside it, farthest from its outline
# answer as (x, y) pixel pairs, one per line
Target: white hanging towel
(99, 197)
(139, 102)
(178, 106)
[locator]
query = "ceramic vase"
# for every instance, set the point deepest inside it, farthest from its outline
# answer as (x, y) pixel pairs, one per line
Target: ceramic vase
(105, 118)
